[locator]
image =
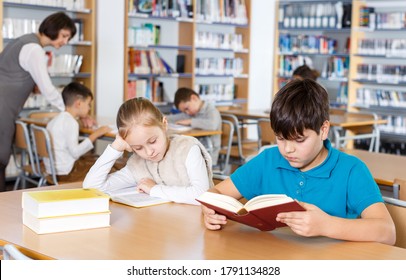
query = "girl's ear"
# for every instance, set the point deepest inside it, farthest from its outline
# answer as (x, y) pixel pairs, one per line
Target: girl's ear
(165, 122)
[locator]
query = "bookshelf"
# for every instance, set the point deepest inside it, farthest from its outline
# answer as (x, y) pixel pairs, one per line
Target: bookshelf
(316, 33)
(14, 14)
(378, 67)
(197, 38)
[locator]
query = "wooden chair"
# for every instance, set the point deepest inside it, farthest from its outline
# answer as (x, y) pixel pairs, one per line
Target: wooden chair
(27, 167)
(10, 252)
(266, 136)
(371, 132)
(227, 132)
(397, 209)
(43, 150)
(239, 152)
(399, 189)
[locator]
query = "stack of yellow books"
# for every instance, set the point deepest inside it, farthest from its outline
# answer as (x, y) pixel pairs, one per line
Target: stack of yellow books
(65, 210)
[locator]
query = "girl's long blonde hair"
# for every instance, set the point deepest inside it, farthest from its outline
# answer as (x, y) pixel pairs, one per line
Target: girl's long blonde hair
(138, 111)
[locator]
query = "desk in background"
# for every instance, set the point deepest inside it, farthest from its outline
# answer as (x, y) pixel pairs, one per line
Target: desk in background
(384, 167)
(175, 231)
(112, 135)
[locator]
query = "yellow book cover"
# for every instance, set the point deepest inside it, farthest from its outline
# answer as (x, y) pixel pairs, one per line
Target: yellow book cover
(53, 203)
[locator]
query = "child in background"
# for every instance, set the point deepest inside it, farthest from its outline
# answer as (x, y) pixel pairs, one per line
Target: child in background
(337, 190)
(198, 114)
(177, 168)
(71, 160)
(305, 72)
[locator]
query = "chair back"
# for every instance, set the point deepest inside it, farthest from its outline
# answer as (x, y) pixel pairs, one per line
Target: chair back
(371, 132)
(239, 152)
(397, 209)
(227, 132)
(23, 144)
(266, 136)
(10, 252)
(43, 149)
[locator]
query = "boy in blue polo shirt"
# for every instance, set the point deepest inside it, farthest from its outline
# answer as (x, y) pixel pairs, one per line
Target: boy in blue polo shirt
(337, 190)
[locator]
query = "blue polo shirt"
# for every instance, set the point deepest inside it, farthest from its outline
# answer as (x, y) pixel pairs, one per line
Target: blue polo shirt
(341, 186)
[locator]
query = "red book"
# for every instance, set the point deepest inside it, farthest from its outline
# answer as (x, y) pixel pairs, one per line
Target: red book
(259, 212)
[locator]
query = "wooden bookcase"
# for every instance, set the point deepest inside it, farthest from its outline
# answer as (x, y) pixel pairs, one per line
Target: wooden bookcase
(296, 23)
(376, 92)
(180, 40)
(85, 47)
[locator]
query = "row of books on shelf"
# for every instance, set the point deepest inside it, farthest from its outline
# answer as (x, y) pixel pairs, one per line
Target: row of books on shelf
(151, 89)
(315, 15)
(162, 8)
(334, 68)
(395, 124)
(366, 97)
(147, 62)
(16, 27)
(207, 39)
(381, 73)
(382, 47)
(144, 34)
(67, 4)
(381, 20)
(216, 92)
(63, 63)
(219, 66)
(226, 11)
(312, 44)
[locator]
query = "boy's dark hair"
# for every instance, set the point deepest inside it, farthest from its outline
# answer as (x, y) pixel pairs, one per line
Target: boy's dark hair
(299, 105)
(54, 23)
(75, 91)
(305, 72)
(183, 95)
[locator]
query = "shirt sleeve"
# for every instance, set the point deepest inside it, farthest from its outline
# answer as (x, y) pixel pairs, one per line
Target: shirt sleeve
(177, 117)
(32, 59)
(208, 121)
(98, 176)
(198, 178)
(75, 148)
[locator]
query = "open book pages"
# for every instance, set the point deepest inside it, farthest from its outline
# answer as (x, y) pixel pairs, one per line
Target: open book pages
(178, 127)
(231, 204)
(132, 197)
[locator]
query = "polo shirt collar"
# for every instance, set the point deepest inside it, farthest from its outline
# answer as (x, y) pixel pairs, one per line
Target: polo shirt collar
(322, 171)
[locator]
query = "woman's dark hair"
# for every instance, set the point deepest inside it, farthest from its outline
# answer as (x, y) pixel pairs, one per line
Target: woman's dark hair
(299, 105)
(305, 72)
(54, 23)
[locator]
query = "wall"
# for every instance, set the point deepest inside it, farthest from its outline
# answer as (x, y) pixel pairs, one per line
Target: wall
(110, 57)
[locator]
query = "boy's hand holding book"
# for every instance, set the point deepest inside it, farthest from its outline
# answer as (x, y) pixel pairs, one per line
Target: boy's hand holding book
(259, 212)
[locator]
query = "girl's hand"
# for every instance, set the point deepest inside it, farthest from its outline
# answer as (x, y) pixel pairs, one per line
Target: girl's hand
(145, 185)
(120, 144)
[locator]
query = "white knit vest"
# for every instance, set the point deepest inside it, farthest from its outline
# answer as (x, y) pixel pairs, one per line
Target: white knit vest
(171, 170)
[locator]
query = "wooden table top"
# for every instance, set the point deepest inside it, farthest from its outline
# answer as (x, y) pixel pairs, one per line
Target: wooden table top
(384, 167)
(174, 231)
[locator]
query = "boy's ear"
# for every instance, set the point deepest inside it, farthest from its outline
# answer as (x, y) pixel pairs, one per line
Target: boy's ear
(325, 128)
